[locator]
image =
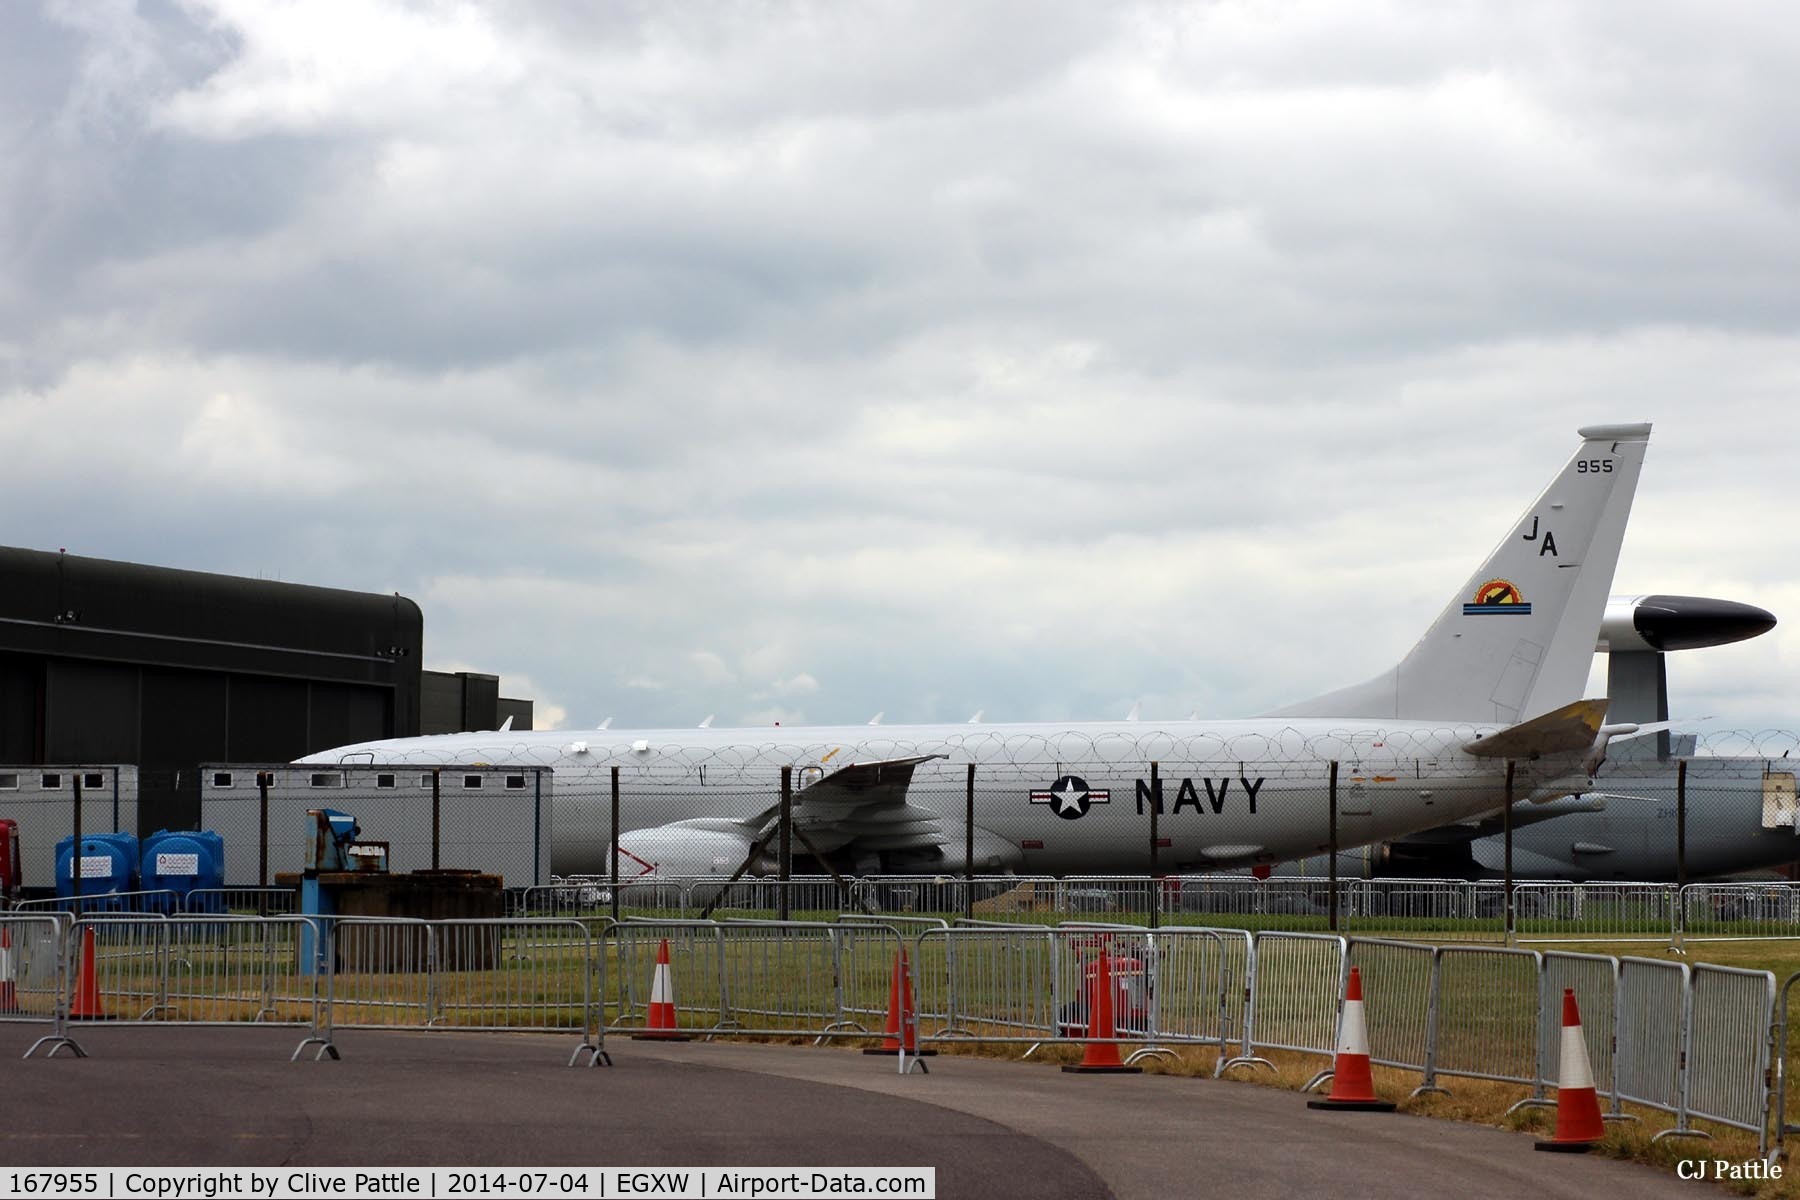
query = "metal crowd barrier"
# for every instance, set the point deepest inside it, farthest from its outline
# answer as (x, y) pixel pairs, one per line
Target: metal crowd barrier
(1699, 1043)
(992, 983)
(1781, 1128)
(513, 975)
(763, 899)
(577, 899)
(31, 972)
(1730, 1042)
(243, 901)
(258, 901)
(1446, 907)
(696, 973)
(1395, 977)
(1485, 1018)
(785, 976)
(517, 975)
(150, 969)
(1196, 983)
(1546, 911)
(225, 970)
(1588, 912)
(1296, 983)
(1652, 1030)
(155, 901)
(1595, 981)
(1281, 904)
(1720, 911)
(795, 978)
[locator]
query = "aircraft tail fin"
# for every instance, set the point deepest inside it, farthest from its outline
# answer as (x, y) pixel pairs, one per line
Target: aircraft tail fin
(1517, 640)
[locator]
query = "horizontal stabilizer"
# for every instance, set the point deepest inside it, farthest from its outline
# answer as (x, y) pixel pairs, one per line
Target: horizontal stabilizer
(1561, 731)
(1645, 729)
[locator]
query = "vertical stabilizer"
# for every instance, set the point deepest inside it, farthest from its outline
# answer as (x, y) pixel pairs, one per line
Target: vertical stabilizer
(1518, 638)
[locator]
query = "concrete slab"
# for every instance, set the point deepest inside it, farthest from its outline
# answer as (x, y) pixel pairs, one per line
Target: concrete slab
(174, 1096)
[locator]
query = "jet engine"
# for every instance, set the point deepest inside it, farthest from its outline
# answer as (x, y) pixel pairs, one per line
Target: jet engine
(707, 846)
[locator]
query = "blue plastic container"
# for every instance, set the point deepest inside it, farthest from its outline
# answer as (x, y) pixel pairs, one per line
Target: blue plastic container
(109, 864)
(183, 863)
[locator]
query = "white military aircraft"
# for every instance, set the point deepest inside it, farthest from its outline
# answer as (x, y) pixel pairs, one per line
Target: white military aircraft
(1497, 678)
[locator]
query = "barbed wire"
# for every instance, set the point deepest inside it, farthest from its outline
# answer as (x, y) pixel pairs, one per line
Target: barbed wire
(985, 746)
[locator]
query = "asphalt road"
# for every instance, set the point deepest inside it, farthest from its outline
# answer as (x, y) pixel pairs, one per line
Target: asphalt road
(229, 1097)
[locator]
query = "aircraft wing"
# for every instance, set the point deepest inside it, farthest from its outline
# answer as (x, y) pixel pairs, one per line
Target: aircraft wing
(1491, 825)
(863, 807)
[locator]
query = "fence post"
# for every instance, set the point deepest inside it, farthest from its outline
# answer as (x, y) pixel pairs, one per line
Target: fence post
(1331, 849)
(615, 848)
(1434, 1009)
(787, 840)
(263, 779)
(75, 880)
(969, 845)
(436, 813)
(1506, 822)
(434, 968)
(1680, 915)
(1155, 807)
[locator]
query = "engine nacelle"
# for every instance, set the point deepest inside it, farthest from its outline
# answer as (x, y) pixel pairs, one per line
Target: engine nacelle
(684, 849)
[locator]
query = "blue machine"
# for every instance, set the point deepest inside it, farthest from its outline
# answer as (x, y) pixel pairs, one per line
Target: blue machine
(334, 833)
(184, 863)
(109, 865)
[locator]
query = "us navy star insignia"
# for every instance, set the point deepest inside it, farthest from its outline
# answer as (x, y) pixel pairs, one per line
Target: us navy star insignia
(1070, 797)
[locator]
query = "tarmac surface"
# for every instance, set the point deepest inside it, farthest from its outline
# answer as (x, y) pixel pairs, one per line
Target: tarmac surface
(229, 1097)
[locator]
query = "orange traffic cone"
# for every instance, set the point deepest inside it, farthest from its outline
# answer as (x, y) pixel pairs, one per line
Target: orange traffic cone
(902, 1018)
(1578, 1123)
(1101, 1057)
(663, 1025)
(9, 973)
(85, 1004)
(1352, 1083)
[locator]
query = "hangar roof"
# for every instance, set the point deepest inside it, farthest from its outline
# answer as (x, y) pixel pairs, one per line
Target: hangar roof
(67, 604)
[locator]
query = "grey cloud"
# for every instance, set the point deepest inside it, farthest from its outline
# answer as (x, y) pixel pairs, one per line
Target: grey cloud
(1020, 357)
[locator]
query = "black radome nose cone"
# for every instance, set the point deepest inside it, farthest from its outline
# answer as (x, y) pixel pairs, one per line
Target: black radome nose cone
(1690, 622)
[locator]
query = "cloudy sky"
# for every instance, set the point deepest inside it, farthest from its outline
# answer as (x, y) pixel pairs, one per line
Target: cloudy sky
(798, 361)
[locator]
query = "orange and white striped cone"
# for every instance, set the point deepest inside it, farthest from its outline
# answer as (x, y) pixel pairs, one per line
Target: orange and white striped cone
(85, 1005)
(1352, 1082)
(663, 1024)
(902, 1020)
(9, 973)
(1578, 1123)
(1101, 1057)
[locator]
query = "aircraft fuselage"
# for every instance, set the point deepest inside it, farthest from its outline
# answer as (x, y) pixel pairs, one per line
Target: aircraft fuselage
(1048, 798)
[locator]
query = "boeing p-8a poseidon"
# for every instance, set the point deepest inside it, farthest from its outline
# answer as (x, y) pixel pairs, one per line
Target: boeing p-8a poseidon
(1496, 678)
